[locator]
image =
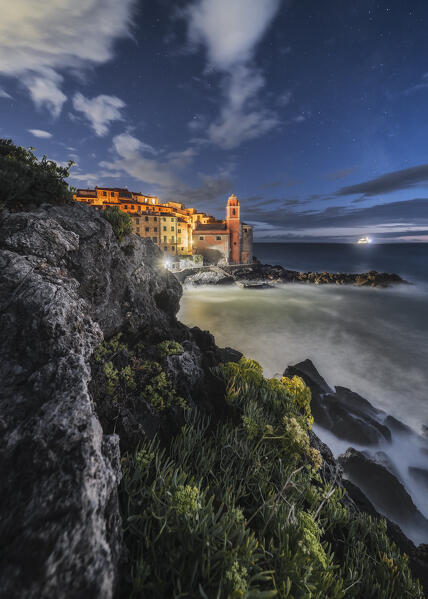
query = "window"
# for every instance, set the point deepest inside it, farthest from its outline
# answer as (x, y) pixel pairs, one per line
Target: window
(164, 228)
(164, 219)
(147, 229)
(155, 229)
(155, 219)
(165, 248)
(172, 228)
(201, 238)
(153, 202)
(126, 207)
(112, 194)
(137, 220)
(178, 230)
(104, 193)
(233, 211)
(164, 239)
(218, 238)
(179, 240)
(147, 219)
(155, 239)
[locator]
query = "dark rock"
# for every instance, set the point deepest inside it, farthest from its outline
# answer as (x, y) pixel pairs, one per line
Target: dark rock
(343, 412)
(64, 282)
(384, 490)
(307, 371)
(420, 475)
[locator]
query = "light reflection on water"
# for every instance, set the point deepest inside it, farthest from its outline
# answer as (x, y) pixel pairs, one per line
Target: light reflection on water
(371, 340)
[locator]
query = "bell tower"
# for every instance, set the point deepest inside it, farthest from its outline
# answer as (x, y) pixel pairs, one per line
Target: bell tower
(233, 222)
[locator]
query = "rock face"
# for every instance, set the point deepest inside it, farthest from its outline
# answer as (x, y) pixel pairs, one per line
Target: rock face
(64, 282)
(257, 276)
(384, 489)
(343, 412)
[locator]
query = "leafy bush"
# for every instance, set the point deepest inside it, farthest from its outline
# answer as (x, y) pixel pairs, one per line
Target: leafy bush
(169, 348)
(26, 182)
(120, 221)
(126, 377)
(243, 512)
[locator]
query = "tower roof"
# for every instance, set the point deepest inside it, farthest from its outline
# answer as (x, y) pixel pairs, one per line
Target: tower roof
(233, 200)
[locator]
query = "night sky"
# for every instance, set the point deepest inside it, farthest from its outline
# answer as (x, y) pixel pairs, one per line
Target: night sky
(313, 113)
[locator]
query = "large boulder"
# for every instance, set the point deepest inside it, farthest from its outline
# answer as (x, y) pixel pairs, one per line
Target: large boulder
(341, 411)
(384, 490)
(65, 282)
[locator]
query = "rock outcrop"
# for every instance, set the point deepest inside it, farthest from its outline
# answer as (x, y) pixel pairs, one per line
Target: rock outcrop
(64, 283)
(259, 276)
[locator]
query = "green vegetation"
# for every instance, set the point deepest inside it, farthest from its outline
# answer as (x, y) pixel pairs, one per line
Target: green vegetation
(169, 348)
(120, 221)
(241, 510)
(26, 182)
(124, 375)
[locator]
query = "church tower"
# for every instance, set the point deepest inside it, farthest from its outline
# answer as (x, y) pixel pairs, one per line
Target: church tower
(233, 222)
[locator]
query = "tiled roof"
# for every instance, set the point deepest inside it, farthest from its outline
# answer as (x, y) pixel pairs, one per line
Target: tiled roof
(211, 227)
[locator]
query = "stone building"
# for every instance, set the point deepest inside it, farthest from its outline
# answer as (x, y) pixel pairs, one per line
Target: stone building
(229, 241)
(178, 230)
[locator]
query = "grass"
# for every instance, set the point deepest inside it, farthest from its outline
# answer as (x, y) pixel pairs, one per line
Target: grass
(242, 511)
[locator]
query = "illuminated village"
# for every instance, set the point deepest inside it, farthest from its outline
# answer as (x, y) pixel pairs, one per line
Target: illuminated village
(177, 230)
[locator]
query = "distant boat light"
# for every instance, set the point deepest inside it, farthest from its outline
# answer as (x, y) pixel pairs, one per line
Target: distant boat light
(364, 240)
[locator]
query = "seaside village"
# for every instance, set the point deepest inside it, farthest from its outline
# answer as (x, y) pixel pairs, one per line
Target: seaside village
(187, 237)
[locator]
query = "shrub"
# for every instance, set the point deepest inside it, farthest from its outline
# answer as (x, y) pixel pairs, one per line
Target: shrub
(120, 221)
(26, 182)
(241, 512)
(169, 348)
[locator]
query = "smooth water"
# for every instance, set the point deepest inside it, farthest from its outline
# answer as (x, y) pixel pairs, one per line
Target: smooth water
(410, 260)
(373, 341)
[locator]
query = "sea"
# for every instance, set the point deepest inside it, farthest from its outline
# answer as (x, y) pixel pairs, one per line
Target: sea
(373, 341)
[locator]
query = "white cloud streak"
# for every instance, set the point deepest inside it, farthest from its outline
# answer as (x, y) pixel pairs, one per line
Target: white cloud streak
(40, 133)
(100, 111)
(38, 40)
(230, 32)
(4, 94)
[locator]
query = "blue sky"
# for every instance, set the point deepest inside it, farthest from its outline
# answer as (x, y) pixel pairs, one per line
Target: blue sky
(314, 114)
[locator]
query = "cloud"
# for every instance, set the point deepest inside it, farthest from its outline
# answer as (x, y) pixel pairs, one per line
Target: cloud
(39, 40)
(131, 158)
(159, 171)
(4, 94)
(339, 222)
(230, 32)
(40, 133)
(394, 181)
(341, 173)
(100, 111)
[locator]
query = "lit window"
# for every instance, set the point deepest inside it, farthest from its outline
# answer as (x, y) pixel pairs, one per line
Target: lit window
(153, 202)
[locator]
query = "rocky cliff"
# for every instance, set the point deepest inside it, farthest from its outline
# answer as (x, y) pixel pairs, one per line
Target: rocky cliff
(65, 283)
(93, 362)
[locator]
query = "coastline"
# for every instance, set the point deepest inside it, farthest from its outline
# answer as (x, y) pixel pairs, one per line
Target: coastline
(259, 276)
